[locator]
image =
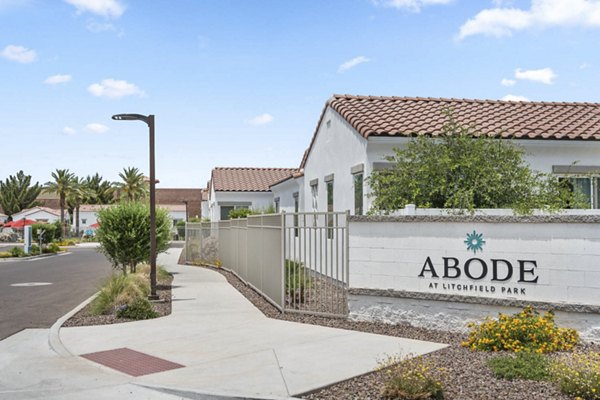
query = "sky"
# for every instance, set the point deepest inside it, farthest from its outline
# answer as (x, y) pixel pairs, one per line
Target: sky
(241, 83)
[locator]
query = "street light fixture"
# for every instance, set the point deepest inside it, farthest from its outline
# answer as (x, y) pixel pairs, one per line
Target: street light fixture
(149, 120)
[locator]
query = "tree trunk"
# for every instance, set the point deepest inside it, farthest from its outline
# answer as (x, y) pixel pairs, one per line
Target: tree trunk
(77, 220)
(62, 214)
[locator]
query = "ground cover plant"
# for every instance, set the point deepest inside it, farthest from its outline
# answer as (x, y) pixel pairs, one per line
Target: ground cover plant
(523, 365)
(525, 331)
(411, 379)
(578, 375)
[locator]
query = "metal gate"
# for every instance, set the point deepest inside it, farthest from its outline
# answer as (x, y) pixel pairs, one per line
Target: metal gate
(297, 261)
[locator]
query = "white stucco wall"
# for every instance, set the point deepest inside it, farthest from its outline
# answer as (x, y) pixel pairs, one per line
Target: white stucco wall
(392, 255)
(90, 217)
(387, 259)
(38, 215)
(255, 201)
(337, 148)
(285, 192)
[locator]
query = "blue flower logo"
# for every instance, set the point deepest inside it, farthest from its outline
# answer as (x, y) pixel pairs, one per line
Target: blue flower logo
(475, 242)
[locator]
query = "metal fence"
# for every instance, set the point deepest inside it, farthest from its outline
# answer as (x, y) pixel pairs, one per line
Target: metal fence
(297, 261)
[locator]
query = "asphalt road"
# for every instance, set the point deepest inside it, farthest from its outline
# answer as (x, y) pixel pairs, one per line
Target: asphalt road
(74, 277)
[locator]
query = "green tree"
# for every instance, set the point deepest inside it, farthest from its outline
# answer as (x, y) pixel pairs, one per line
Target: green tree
(133, 186)
(17, 193)
(101, 191)
(463, 170)
(124, 234)
(61, 185)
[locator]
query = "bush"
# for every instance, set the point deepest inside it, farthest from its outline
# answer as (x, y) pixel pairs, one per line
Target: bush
(411, 379)
(52, 232)
(34, 250)
(139, 309)
(52, 248)
(119, 290)
(523, 365)
(5, 254)
(578, 375)
(124, 234)
(17, 252)
(241, 213)
(527, 330)
(66, 242)
(297, 280)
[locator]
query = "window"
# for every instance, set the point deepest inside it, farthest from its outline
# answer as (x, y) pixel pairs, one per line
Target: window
(588, 186)
(296, 209)
(276, 201)
(83, 220)
(329, 186)
(225, 212)
(358, 193)
(314, 192)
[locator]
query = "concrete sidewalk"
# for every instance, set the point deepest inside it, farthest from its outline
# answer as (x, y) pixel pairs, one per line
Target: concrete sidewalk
(229, 347)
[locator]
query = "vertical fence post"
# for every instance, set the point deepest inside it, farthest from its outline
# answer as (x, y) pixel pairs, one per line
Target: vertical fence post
(283, 266)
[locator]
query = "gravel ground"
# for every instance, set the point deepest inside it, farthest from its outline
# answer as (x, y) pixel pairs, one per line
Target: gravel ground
(85, 318)
(468, 377)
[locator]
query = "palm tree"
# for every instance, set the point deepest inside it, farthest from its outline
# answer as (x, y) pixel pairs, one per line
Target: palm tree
(134, 187)
(77, 196)
(62, 185)
(100, 191)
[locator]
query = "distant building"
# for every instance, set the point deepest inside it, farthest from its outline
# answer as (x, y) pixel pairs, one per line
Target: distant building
(41, 214)
(233, 188)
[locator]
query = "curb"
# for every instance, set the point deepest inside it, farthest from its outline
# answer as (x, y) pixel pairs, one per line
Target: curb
(198, 395)
(22, 259)
(54, 335)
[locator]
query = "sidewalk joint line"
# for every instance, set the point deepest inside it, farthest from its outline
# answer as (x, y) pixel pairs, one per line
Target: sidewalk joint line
(281, 372)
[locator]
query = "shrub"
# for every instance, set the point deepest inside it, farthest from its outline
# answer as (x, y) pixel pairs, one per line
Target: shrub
(34, 250)
(297, 280)
(5, 254)
(52, 248)
(161, 273)
(411, 379)
(17, 252)
(110, 290)
(578, 375)
(139, 309)
(527, 330)
(523, 365)
(124, 234)
(51, 232)
(66, 242)
(241, 213)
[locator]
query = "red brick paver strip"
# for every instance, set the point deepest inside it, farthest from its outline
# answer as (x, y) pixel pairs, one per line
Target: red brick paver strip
(131, 362)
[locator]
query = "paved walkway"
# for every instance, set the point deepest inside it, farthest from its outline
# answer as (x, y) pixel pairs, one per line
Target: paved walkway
(225, 344)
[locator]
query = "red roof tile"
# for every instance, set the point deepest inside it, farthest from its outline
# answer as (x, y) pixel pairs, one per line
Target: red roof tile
(248, 179)
(411, 116)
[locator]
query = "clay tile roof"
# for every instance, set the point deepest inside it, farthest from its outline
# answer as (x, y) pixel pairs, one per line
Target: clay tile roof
(407, 116)
(248, 179)
(411, 116)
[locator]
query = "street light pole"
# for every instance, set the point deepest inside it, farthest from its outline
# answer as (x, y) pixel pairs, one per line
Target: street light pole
(149, 120)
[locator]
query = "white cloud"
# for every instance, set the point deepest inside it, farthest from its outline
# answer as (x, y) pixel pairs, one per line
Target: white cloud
(544, 75)
(261, 119)
(96, 128)
(69, 131)
(410, 5)
(105, 8)
(512, 97)
(584, 65)
(19, 54)
(352, 63)
(503, 21)
(113, 89)
(56, 79)
(97, 27)
(508, 82)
